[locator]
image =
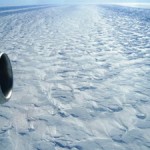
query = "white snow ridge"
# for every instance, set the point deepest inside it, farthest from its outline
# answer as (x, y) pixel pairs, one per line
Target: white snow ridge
(81, 78)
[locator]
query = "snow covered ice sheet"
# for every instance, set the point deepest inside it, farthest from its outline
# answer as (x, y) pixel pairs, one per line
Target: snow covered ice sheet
(81, 78)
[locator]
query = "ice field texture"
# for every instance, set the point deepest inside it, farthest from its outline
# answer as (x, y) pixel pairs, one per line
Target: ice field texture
(81, 78)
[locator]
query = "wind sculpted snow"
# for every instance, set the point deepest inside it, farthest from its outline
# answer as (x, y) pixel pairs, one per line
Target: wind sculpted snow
(81, 78)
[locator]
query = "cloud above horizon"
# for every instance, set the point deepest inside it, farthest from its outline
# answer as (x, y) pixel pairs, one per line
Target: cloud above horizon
(32, 2)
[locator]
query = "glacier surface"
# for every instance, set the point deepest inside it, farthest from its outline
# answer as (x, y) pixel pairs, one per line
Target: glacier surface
(81, 78)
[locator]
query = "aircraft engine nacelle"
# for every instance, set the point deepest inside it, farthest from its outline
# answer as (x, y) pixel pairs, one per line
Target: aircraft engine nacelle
(6, 78)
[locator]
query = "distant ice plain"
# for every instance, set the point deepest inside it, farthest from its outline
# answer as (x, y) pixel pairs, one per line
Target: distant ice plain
(81, 78)
(136, 5)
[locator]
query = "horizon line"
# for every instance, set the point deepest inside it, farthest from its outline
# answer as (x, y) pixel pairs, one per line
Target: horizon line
(122, 3)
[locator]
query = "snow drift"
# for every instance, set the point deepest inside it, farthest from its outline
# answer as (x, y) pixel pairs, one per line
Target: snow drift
(81, 78)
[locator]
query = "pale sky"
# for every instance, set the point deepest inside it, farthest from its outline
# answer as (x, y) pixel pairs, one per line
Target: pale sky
(33, 2)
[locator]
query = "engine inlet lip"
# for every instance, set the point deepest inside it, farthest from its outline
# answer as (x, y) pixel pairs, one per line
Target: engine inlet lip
(6, 78)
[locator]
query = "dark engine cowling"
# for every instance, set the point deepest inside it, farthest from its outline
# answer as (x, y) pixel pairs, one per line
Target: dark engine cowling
(6, 78)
